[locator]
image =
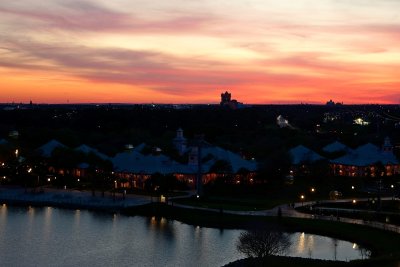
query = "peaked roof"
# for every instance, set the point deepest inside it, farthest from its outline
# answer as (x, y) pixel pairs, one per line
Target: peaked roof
(139, 147)
(135, 162)
(367, 149)
(48, 148)
(335, 147)
(302, 154)
(235, 160)
(87, 150)
(366, 155)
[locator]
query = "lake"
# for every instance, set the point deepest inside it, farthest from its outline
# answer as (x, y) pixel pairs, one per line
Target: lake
(46, 236)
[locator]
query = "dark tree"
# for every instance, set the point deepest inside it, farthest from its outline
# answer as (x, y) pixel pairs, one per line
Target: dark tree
(275, 167)
(261, 243)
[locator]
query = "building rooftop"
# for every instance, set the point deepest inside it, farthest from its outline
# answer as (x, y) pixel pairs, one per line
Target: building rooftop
(335, 147)
(366, 155)
(301, 154)
(87, 150)
(47, 149)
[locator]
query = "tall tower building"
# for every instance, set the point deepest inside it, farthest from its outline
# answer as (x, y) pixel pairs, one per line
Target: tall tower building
(225, 98)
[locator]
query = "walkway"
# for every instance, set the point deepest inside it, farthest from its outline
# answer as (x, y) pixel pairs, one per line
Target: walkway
(84, 199)
(71, 198)
(290, 211)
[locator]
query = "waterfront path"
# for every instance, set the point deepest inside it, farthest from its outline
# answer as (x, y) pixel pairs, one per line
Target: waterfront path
(72, 198)
(288, 210)
(84, 199)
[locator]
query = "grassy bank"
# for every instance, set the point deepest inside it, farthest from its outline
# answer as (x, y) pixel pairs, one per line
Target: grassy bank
(276, 261)
(238, 204)
(387, 212)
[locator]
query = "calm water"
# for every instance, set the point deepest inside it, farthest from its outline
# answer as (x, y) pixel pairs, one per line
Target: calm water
(57, 237)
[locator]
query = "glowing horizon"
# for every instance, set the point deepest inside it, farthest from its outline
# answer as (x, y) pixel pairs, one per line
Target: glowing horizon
(262, 51)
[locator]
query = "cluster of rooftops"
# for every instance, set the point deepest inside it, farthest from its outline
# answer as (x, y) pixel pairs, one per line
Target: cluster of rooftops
(365, 155)
(135, 161)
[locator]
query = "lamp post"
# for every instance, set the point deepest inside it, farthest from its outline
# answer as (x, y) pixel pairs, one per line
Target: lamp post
(302, 200)
(115, 188)
(312, 190)
(392, 187)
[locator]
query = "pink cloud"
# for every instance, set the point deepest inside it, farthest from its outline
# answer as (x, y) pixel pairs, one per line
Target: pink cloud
(84, 16)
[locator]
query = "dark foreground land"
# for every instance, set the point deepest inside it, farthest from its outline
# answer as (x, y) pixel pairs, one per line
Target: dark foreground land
(276, 261)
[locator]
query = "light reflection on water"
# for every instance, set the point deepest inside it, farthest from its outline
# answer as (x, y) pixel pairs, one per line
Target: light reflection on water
(321, 247)
(56, 237)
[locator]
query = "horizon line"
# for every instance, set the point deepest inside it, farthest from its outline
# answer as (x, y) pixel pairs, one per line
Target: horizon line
(212, 103)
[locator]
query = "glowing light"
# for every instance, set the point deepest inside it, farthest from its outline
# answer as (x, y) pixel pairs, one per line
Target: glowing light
(162, 199)
(360, 121)
(282, 122)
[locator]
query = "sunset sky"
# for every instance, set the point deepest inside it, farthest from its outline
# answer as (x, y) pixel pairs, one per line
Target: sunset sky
(182, 51)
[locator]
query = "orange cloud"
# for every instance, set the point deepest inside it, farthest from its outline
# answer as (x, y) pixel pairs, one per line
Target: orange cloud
(186, 52)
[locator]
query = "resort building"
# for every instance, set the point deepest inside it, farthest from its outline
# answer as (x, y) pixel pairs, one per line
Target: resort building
(302, 158)
(367, 160)
(211, 161)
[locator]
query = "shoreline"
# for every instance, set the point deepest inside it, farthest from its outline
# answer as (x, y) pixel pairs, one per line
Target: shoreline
(142, 206)
(70, 199)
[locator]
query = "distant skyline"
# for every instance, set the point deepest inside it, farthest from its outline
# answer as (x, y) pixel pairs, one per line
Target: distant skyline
(178, 51)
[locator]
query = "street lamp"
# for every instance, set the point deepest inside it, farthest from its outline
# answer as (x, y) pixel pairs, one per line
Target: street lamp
(302, 199)
(392, 186)
(312, 190)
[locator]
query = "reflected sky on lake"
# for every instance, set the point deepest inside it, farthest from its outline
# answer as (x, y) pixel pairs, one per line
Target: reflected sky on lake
(31, 236)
